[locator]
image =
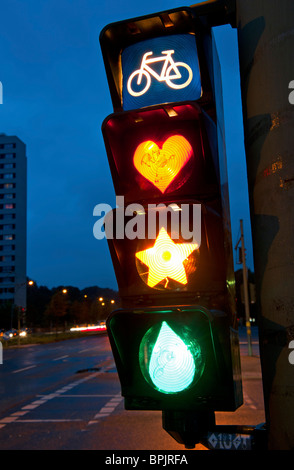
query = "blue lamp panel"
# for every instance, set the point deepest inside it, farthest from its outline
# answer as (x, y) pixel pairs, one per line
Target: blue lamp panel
(160, 70)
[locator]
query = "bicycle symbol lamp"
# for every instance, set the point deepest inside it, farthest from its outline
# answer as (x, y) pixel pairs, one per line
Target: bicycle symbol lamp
(155, 70)
(170, 72)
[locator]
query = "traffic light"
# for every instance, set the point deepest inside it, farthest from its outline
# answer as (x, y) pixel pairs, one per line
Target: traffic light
(174, 340)
(175, 358)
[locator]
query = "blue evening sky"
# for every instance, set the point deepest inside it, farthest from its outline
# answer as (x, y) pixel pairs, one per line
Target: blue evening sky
(55, 97)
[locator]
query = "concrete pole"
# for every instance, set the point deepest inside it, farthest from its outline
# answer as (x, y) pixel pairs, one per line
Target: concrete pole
(266, 51)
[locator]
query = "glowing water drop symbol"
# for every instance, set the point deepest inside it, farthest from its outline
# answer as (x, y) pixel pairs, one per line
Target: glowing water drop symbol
(171, 366)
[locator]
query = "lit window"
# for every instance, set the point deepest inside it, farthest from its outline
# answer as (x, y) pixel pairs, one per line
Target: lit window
(8, 237)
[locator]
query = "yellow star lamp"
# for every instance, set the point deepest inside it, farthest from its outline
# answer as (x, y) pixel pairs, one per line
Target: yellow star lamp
(165, 259)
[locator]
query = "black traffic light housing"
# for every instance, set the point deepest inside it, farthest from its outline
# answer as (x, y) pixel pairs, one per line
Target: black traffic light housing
(216, 383)
(115, 37)
(205, 267)
(175, 344)
(124, 132)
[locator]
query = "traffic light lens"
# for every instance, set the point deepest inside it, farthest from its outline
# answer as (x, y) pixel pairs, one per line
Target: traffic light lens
(160, 70)
(160, 166)
(165, 260)
(170, 362)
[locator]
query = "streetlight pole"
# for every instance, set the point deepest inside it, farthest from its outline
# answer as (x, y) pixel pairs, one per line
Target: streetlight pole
(245, 289)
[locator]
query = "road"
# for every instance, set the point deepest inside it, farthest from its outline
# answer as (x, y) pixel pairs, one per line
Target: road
(66, 395)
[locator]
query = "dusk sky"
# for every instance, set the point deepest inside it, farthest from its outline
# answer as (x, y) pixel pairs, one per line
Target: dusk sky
(55, 98)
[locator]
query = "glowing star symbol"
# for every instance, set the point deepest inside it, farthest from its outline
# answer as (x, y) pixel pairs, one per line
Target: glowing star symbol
(165, 259)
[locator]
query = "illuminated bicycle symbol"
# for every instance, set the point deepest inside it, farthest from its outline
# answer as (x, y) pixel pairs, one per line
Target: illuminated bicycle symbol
(170, 72)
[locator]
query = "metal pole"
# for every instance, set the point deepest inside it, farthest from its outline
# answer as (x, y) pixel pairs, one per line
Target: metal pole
(245, 287)
(266, 47)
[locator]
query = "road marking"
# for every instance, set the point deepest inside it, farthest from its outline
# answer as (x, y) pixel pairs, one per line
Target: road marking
(29, 407)
(48, 420)
(9, 419)
(39, 402)
(94, 349)
(80, 396)
(61, 357)
(20, 413)
(36, 403)
(107, 409)
(21, 370)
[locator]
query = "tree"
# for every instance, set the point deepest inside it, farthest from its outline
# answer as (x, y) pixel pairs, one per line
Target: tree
(38, 297)
(57, 308)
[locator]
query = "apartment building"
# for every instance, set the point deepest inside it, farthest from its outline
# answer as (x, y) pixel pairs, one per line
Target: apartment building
(13, 220)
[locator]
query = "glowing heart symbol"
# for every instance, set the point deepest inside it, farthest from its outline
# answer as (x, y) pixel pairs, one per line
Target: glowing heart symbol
(161, 166)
